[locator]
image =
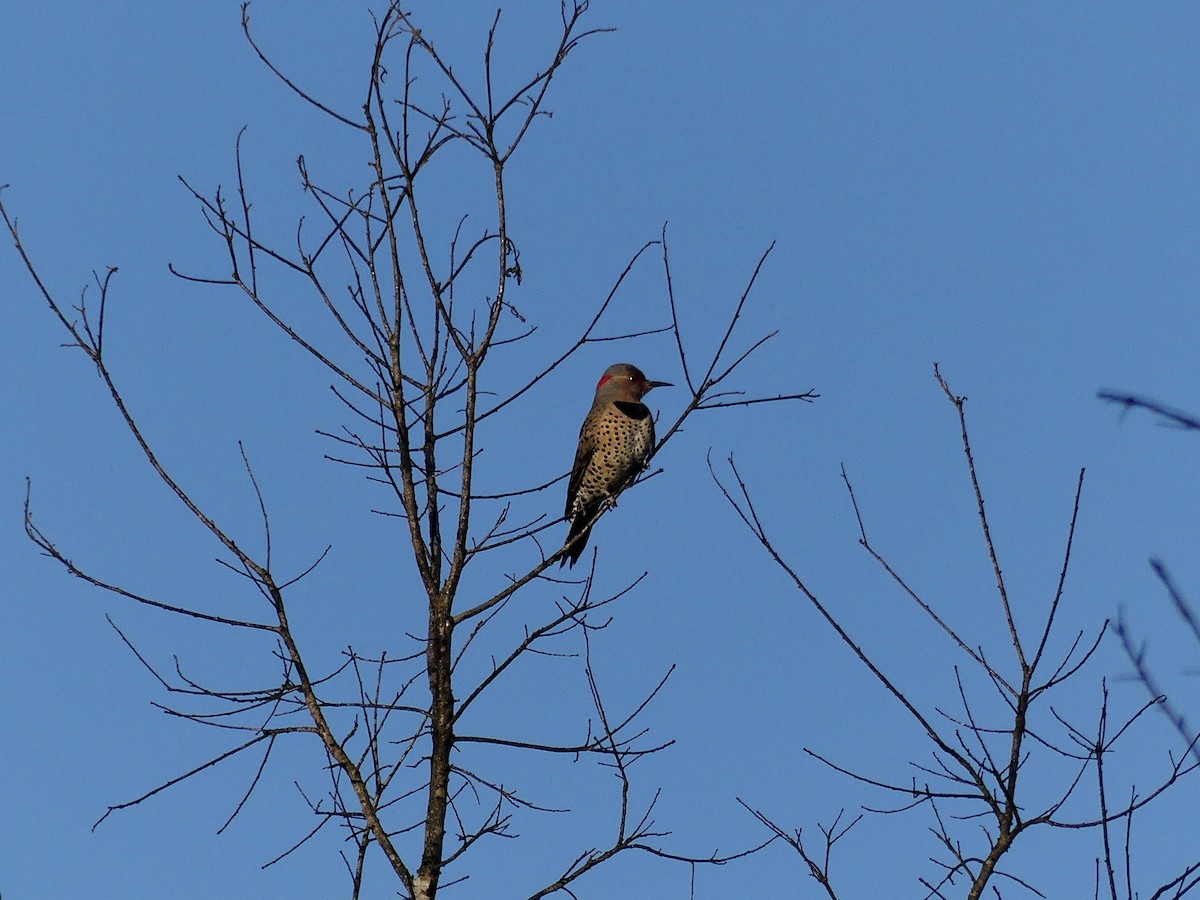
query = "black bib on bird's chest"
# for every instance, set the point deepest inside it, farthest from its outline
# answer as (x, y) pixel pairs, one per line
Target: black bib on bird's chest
(632, 408)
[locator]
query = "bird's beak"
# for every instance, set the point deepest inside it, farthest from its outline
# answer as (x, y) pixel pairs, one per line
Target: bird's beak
(650, 385)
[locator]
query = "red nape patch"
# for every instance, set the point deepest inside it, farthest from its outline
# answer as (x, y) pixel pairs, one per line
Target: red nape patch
(604, 379)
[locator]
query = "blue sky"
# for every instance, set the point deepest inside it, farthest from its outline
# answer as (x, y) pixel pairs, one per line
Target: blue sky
(1007, 190)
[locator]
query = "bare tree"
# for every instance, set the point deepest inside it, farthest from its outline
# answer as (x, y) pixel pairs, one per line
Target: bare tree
(1011, 760)
(1136, 649)
(417, 314)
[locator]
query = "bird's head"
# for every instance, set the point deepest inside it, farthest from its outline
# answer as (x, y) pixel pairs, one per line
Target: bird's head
(624, 381)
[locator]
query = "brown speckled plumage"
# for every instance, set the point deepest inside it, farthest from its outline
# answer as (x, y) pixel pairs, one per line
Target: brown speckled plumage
(614, 442)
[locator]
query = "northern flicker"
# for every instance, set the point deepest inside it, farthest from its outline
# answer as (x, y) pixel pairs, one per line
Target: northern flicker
(614, 443)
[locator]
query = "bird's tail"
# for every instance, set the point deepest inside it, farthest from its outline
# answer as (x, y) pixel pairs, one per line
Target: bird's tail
(577, 537)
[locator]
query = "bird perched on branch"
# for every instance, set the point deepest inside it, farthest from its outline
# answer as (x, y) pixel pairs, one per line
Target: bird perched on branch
(614, 445)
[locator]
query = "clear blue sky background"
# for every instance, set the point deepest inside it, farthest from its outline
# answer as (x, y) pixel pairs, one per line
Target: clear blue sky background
(1010, 190)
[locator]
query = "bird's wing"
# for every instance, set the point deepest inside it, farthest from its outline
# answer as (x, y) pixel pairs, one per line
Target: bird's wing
(583, 456)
